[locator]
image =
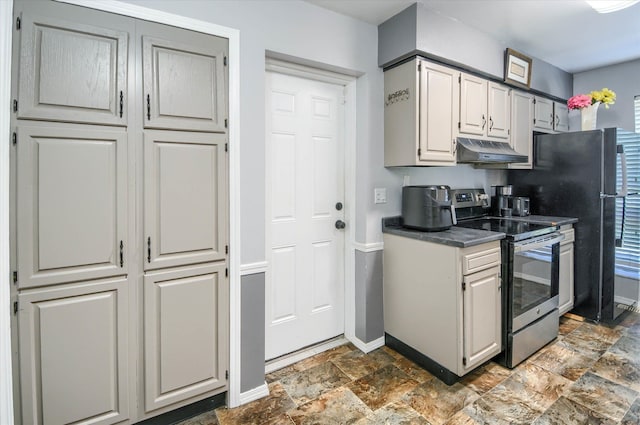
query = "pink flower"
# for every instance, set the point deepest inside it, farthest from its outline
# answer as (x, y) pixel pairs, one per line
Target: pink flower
(579, 101)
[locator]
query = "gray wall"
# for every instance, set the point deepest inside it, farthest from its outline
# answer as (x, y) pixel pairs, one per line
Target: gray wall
(368, 294)
(624, 79)
(252, 332)
(417, 28)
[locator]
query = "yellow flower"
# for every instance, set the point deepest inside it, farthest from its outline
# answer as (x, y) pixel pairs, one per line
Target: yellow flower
(605, 96)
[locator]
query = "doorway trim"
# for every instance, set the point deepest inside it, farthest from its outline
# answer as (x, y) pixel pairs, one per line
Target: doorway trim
(349, 82)
(153, 15)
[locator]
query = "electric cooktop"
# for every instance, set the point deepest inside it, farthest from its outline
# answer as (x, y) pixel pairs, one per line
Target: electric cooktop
(514, 229)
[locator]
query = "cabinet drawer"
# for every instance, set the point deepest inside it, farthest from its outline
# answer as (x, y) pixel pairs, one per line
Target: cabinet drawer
(569, 236)
(477, 261)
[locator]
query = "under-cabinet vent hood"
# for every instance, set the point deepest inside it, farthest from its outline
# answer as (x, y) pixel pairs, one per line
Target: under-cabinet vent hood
(487, 152)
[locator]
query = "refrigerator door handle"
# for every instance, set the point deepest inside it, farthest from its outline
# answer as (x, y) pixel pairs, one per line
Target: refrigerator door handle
(623, 165)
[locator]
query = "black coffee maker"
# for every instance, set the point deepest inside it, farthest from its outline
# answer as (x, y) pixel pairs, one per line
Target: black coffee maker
(502, 201)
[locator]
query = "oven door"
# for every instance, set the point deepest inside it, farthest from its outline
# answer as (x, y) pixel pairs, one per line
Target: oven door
(533, 269)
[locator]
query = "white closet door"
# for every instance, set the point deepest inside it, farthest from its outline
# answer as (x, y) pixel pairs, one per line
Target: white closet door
(185, 195)
(74, 353)
(72, 71)
(186, 333)
(184, 84)
(71, 203)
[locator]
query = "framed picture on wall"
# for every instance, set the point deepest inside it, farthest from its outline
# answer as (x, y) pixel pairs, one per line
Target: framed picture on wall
(517, 68)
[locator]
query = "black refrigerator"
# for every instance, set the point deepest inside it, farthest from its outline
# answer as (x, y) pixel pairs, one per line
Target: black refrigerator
(576, 175)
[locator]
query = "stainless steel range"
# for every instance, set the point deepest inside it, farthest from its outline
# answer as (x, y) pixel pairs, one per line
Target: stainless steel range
(530, 265)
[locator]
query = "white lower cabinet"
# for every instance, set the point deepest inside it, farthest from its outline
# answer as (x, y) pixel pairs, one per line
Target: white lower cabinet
(566, 281)
(444, 301)
(185, 331)
(74, 353)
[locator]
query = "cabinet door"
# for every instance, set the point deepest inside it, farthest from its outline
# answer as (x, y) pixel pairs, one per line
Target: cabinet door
(71, 72)
(184, 84)
(565, 289)
(185, 198)
(72, 203)
(185, 334)
(522, 127)
(543, 114)
(499, 109)
(438, 113)
(73, 353)
(482, 312)
(561, 112)
(473, 105)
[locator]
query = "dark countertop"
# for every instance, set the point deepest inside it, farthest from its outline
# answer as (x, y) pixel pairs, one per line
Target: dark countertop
(546, 219)
(455, 236)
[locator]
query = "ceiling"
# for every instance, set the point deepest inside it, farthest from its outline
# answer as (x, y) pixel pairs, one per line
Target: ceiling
(566, 33)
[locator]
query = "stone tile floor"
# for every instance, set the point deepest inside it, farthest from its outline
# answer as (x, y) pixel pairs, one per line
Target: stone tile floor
(589, 375)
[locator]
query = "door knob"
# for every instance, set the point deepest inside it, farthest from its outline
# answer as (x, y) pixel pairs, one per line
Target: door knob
(340, 224)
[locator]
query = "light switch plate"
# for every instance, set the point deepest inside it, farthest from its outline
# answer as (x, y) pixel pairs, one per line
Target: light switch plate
(380, 195)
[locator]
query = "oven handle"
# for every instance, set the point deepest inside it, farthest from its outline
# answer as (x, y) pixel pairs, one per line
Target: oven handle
(539, 242)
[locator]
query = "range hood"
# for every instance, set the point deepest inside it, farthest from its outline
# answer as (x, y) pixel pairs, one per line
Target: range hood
(478, 151)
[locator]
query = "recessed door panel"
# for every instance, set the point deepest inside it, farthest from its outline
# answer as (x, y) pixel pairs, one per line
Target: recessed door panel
(72, 72)
(184, 84)
(72, 204)
(185, 198)
(185, 333)
(73, 353)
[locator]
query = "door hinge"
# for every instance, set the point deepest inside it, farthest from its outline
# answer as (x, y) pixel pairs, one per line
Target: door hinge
(226, 272)
(508, 132)
(458, 125)
(121, 254)
(18, 23)
(459, 79)
(15, 278)
(419, 152)
(15, 307)
(226, 249)
(121, 102)
(534, 120)
(224, 61)
(534, 100)
(226, 374)
(226, 123)
(419, 66)
(14, 138)
(464, 285)
(15, 105)
(149, 249)
(226, 147)
(464, 361)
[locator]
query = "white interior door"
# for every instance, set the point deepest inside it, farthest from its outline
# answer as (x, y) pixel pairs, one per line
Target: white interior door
(305, 169)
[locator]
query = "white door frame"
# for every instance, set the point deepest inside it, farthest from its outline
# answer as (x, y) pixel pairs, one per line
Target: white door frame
(349, 82)
(114, 6)
(6, 385)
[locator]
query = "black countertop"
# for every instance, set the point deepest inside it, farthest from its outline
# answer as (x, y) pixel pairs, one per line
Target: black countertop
(455, 236)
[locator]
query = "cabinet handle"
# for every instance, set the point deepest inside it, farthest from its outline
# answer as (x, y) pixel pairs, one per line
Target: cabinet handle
(121, 102)
(552, 118)
(149, 249)
(490, 123)
(121, 254)
(557, 120)
(484, 121)
(148, 108)
(455, 146)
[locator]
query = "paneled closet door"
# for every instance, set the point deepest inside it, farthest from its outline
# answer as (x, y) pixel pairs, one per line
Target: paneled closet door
(185, 198)
(71, 71)
(71, 203)
(74, 353)
(184, 84)
(185, 333)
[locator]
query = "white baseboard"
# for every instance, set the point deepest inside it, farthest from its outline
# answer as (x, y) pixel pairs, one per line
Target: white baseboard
(367, 347)
(292, 358)
(254, 394)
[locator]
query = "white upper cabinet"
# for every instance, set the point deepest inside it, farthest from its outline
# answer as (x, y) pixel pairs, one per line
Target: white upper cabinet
(561, 112)
(522, 127)
(184, 84)
(543, 114)
(485, 108)
(420, 114)
(72, 72)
